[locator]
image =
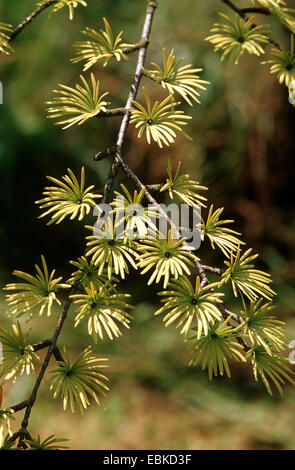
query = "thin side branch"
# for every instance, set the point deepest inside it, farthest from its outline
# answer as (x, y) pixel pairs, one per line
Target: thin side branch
(201, 268)
(135, 47)
(109, 152)
(154, 187)
(44, 344)
(112, 112)
(213, 270)
(21, 434)
(238, 10)
(50, 352)
(30, 18)
(20, 406)
(117, 163)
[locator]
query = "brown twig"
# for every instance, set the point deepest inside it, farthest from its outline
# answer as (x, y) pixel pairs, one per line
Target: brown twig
(261, 10)
(30, 18)
(201, 268)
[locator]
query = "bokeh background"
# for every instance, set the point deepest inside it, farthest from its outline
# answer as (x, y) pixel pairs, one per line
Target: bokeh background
(243, 150)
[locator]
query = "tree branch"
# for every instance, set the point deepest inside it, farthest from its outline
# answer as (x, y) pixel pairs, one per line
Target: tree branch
(21, 433)
(109, 152)
(112, 112)
(149, 75)
(44, 344)
(135, 47)
(243, 15)
(154, 187)
(226, 313)
(117, 163)
(30, 18)
(52, 350)
(213, 270)
(57, 355)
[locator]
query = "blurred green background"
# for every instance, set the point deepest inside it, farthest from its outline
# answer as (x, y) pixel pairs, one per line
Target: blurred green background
(243, 150)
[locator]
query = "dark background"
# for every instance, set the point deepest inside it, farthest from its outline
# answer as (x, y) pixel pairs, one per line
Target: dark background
(243, 150)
